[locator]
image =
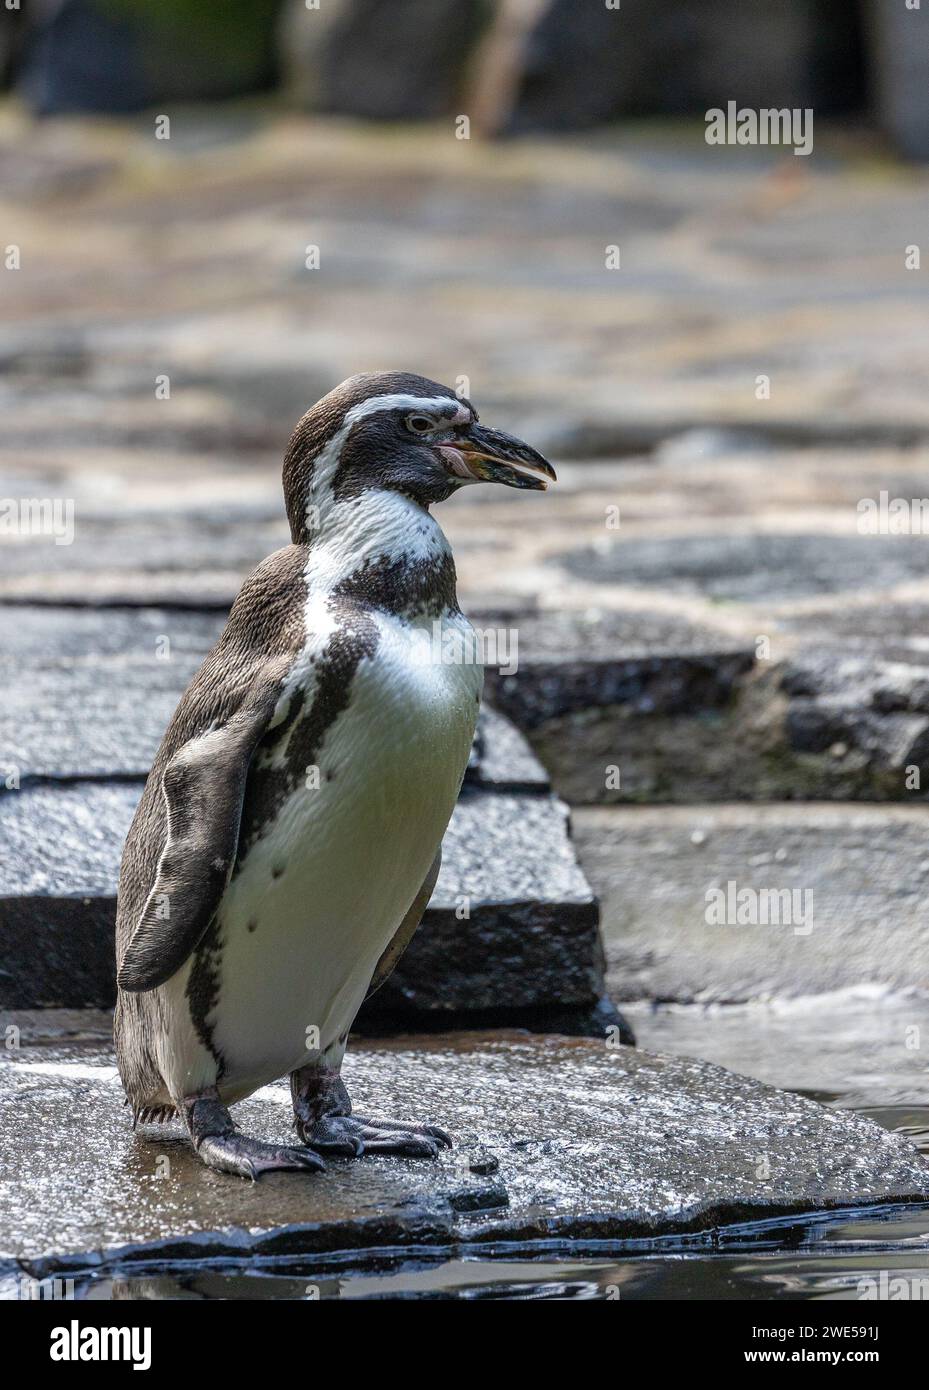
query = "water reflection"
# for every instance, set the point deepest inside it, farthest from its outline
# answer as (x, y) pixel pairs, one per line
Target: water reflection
(882, 1252)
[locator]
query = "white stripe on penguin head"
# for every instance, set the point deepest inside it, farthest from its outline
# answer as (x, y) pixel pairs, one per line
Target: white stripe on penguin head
(391, 523)
(327, 460)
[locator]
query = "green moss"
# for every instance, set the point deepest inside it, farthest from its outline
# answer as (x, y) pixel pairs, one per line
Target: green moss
(236, 36)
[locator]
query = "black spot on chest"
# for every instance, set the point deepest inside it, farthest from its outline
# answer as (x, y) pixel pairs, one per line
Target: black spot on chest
(404, 585)
(297, 743)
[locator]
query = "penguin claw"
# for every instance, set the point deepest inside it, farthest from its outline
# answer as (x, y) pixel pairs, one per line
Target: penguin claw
(386, 1128)
(436, 1132)
(404, 1146)
(354, 1135)
(250, 1158)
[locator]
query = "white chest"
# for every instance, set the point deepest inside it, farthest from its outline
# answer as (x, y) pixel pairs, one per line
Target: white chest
(322, 892)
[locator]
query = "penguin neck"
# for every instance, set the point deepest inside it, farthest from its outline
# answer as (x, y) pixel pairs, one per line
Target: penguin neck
(383, 551)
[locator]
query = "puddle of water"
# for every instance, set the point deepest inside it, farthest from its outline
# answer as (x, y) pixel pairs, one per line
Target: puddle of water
(881, 1253)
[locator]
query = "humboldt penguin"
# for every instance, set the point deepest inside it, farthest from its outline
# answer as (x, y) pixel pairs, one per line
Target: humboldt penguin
(288, 837)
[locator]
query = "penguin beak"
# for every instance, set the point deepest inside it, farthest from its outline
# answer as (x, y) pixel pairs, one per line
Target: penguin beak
(491, 456)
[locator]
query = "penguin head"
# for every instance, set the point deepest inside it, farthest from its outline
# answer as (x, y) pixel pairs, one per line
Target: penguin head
(397, 432)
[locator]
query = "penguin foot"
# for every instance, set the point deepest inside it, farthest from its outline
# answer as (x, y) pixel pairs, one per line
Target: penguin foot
(355, 1135)
(220, 1145)
(324, 1121)
(249, 1158)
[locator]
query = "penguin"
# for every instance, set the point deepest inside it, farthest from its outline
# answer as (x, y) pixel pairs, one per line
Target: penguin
(289, 834)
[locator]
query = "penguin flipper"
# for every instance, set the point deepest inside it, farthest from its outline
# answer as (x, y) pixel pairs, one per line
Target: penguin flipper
(204, 787)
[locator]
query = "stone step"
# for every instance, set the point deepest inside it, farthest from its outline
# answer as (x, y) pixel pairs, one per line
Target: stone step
(581, 1141)
(512, 925)
(646, 662)
(851, 882)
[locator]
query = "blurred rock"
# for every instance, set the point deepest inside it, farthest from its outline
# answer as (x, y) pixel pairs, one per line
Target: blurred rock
(852, 882)
(304, 48)
(117, 56)
(402, 61)
(584, 64)
(862, 708)
(701, 445)
(761, 567)
(648, 662)
(12, 27)
(849, 1044)
(899, 53)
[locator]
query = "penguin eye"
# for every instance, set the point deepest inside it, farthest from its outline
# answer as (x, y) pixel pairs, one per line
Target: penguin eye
(420, 424)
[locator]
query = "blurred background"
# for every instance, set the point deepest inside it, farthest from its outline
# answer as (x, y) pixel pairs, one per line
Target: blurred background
(211, 215)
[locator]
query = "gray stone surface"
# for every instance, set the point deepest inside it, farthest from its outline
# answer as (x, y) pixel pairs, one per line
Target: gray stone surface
(89, 693)
(501, 758)
(859, 917)
(860, 1047)
(512, 924)
(648, 662)
(761, 567)
(590, 1142)
(64, 841)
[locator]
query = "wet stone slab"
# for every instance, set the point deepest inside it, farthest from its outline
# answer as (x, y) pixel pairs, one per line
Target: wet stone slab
(849, 889)
(512, 924)
(759, 567)
(848, 1046)
(90, 693)
(555, 1139)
